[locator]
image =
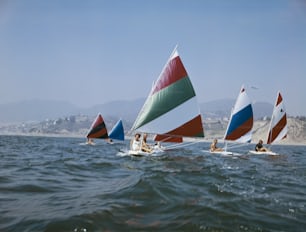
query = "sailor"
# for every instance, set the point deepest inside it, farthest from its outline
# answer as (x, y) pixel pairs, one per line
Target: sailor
(144, 146)
(90, 141)
(260, 147)
(109, 141)
(213, 146)
(135, 143)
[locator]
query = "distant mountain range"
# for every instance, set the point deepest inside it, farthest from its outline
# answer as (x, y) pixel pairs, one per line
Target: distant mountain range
(38, 110)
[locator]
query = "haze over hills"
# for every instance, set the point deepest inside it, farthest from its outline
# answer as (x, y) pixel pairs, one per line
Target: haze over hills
(34, 110)
(222, 109)
(39, 110)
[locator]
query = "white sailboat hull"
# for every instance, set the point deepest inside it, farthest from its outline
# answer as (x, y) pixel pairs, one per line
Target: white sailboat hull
(262, 152)
(222, 152)
(155, 152)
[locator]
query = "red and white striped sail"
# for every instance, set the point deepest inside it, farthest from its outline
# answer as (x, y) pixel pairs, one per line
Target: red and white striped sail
(98, 129)
(278, 127)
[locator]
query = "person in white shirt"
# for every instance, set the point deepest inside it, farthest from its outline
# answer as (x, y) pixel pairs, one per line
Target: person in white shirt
(135, 143)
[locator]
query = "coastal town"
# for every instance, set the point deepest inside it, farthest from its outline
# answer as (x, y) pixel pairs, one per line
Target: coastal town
(78, 125)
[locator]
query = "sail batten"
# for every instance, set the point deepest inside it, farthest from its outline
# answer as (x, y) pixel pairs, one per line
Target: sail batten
(171, 107)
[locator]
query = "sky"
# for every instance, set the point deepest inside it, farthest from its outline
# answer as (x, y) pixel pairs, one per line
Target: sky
(93, 52)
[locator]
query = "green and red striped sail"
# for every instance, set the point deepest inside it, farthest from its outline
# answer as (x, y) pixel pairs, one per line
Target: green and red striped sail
(171, 109)
(98, 129)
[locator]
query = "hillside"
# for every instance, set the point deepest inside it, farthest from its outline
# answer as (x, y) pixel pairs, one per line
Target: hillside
(39, 117)
(78, 125)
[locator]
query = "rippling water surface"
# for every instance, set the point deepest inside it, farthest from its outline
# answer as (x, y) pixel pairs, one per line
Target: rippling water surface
(58, 184)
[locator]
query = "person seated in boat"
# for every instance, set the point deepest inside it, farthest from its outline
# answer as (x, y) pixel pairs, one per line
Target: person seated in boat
(144, 146)
(260, 147)
(213, 146)
(158, 146)
(109, 141)
(135, 142)
(90, 141)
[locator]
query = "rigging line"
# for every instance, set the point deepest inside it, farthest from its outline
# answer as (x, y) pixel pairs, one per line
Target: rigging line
(180, 145)
(238, 145)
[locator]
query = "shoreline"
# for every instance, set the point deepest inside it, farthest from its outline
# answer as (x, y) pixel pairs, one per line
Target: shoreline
(207, 140)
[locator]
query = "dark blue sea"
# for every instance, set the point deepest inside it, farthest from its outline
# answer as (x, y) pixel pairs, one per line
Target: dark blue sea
(58, 184)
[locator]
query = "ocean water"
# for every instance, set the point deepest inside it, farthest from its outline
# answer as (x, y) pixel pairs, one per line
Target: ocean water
(58, 184)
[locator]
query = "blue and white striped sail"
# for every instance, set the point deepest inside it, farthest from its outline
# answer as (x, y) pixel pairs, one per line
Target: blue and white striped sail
(117, 132)
(240, 126)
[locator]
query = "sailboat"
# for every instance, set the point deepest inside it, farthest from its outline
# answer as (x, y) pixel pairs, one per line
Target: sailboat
(278, 125)
(117, 131)
(97, 130)
(171, 109)
(239, 128)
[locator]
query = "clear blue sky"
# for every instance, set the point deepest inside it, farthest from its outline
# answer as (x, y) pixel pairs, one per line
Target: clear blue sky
(91, 52)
